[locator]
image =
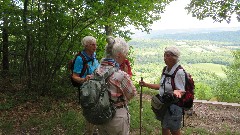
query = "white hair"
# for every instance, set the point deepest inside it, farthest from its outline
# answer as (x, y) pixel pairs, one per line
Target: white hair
(88, 40)
(115, 46)
(174, 50)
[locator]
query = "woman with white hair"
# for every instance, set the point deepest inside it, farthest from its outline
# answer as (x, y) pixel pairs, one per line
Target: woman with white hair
(171, 121)
(121, 87)
(89, 48)
(84, 64)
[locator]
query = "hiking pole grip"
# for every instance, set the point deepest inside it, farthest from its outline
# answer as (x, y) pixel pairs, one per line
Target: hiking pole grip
(141, 107)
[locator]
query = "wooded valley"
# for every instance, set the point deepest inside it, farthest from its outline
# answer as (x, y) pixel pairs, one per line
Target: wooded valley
(39, 37)
(209, 62)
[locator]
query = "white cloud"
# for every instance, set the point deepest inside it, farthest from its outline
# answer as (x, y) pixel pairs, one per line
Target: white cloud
(176, 17)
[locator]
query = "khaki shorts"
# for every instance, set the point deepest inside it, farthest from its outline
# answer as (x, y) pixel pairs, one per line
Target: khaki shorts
(173, 118)
(119, 125)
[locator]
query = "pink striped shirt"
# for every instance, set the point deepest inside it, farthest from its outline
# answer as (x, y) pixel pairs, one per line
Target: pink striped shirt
(121, 86)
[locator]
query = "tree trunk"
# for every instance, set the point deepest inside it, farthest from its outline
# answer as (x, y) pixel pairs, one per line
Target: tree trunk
(5, 59)
(27, 60)
(108, 29)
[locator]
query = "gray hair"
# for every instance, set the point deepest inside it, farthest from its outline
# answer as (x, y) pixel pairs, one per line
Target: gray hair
(115, 46)
(88, 40)
(174, 50)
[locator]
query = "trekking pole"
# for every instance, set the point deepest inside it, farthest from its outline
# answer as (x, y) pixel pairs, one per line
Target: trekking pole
(141, 108)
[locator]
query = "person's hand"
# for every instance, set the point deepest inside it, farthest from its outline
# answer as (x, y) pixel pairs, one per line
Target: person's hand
(125, 67)
(178, 93)
(142, 83)
(87, 77)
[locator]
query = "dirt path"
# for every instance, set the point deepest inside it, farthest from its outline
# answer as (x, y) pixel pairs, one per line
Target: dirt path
(210, 117)
(214, 118)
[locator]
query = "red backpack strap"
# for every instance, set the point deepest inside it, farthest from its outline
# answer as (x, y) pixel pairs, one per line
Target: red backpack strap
(163, 70)
(85, 65)
(72, 62)
(173, 77)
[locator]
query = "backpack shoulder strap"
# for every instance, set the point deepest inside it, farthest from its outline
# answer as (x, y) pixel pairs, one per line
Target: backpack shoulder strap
(108, 73)
(84, 64)
(163, 70)
(173, 76)
(71, 67)
(179, 67)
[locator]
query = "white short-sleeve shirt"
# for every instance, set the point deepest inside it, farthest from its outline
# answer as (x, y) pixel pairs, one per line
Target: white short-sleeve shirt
(179, 80)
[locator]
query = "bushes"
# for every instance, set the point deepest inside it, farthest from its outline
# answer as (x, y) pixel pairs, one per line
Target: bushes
(203, 91)
(228, 88)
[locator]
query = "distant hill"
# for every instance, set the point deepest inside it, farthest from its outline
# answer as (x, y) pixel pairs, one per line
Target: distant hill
(213, 34)
(226, 36)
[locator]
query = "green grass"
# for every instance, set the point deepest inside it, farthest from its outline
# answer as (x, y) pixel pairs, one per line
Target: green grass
(72, 120)
(149, 124)
(210, 67)
(149, 72)
(199, 131)
(42, 115)
(6, 126)
(63, 117)
(69, 122)
(8, 103)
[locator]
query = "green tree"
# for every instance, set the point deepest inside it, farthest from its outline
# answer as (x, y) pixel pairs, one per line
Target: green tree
(218, 10)
(43, 35)
(228, 89)
(5, 45)
(203, 91)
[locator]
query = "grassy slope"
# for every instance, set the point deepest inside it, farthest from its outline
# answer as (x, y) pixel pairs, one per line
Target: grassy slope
(210, 67)
(149, 61)
(48, 115)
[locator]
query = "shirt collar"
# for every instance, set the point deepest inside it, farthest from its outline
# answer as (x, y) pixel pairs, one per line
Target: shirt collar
(172, 70)
(109, 62)
(87, 56)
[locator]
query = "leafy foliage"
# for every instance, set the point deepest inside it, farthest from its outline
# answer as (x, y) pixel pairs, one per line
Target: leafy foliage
(203, 91)
(228, 89)
(203, 59)
(218, 10)
(44, 35)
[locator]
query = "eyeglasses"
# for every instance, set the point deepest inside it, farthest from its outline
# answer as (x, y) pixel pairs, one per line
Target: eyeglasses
(93, 44)
(168, 55)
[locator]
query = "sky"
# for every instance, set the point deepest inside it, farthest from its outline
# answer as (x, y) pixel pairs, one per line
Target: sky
(176, 17)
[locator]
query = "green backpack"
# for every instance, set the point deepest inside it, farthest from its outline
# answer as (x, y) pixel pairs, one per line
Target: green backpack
(94, 99)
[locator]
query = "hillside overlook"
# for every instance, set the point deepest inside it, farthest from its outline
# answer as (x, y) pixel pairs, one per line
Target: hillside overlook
(212, 34)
